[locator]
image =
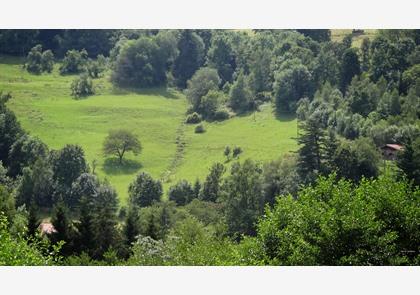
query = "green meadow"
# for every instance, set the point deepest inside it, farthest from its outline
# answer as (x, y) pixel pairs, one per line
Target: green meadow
(171, 149)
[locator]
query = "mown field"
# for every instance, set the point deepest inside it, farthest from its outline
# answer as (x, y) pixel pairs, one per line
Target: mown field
(171, 149)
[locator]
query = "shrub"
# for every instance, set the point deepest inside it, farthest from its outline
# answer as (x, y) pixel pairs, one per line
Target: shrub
(47, 61)
(74, 62)
(199, 129)
(96, 67)
(82, 86)
(221, 114)
(33, 60)
(236, 151)
(193, 118)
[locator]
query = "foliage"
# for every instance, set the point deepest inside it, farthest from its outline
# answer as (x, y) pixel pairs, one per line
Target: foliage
(190, 58)
(193, 118)
(212, 185)
(38, 61)
(182, 192)
(120, 141)
(144, 190)
(240, 96)
(336, 223)
(82, 86)
(408, 160)
(199, 128)
(74, 62)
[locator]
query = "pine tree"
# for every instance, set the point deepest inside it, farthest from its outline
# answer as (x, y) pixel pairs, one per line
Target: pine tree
(311, 149)
(408, 161)
(197, 188)
(105, 220)
(86, 239)
(61, 222)
(33, 220)
(330, 146)
(131, 227)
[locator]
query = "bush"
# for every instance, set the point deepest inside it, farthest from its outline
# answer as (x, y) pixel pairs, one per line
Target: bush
(74, 62)
(221, 114)
(82, 86)
(38, 61)
(236, 151)
(96, 67)
(199, 129)
(47, 61)
(193, 118)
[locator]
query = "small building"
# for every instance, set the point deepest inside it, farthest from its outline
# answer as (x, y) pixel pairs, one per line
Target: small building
(47, 228)
(390, 150)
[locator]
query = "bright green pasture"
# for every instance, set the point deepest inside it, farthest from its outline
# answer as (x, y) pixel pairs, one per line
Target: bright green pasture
(171, 149)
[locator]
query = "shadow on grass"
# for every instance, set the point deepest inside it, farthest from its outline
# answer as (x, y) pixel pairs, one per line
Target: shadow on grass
(284, 116)
(112, 166)
(161, 91)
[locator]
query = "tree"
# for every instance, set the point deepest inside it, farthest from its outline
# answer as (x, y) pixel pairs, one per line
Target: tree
(280, 177)
(222, 57)
(226, 152)
(85, 186)
(144, 190)
(95, 68)
(210, 103)
(243, 197)
(62, 225)
(140, 63)
(190, 58)
(105, 221)
(68, 164)
(291, 85)
(237, 150)
(311, 149)
(120, 141)
(86, 240)
(182, 193)
(320, 35)
(212, 185)
(33, 220)
(131, 226)
(260, 77)
(24, 152)
(204, 80)
(82, 86)
(408, 161)
(350, 67)
(10, 129)
(240, 96)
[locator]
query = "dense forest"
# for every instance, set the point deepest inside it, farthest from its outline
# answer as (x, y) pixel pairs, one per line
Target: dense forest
(349, 195)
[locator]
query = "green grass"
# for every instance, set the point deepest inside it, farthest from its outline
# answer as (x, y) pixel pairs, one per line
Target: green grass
(339, 34)
(171, 149)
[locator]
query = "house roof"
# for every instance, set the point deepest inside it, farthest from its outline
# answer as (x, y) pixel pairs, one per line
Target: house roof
(393, 146)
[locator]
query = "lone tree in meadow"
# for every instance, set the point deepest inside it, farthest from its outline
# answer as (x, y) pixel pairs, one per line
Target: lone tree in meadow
(120, 141)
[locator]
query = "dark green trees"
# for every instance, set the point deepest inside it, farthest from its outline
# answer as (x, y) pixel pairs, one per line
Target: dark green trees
(408, 160)
(221, 57)
(243, 197)
(38, 61)
(74, 62)
(182, 192)
(240, 96)
(212, 185)
(140, 64)
(144, 190)
(350, 67)
(190, 58)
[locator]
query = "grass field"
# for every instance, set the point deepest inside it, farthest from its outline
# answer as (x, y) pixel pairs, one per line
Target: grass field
(171, 149)
(339, 34)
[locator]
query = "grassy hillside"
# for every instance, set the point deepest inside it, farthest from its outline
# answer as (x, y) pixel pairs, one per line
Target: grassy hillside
(171, 149)
(339, 34)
